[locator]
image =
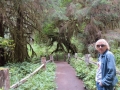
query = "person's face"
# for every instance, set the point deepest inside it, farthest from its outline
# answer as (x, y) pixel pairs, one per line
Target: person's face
(101, 47)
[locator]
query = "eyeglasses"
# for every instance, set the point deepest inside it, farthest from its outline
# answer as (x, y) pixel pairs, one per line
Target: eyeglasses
(102, 45)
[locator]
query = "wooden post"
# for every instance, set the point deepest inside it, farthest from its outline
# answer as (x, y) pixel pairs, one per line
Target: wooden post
(56, 57)
(25, 78)
(51, 58)
(4, 79)
(76, 56)
(43, 61)
(87, 57)
(65, 57)
(68, 58)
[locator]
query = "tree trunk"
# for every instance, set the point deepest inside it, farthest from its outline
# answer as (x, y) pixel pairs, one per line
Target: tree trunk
(4, 79)
(20, 40)
(2, 59)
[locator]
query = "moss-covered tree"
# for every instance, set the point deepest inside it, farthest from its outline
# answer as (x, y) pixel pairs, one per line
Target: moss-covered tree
(21, 19)
(2, 59)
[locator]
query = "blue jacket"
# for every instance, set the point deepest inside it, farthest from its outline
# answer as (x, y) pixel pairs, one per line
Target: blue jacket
(108, 68)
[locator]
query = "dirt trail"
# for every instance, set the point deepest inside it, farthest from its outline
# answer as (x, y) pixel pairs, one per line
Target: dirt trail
(66, 77)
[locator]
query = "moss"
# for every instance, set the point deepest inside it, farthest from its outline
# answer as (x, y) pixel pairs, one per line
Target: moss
(1, 68)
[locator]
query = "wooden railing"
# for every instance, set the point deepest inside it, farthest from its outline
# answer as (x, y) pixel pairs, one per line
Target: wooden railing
(88, 60)
(26, 78)
(43, 65)
(5, 75)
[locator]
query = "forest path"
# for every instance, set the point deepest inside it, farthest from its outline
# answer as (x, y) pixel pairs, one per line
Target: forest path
(66, 77)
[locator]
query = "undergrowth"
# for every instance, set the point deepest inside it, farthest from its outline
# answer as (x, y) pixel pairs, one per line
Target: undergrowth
(43, 80)
(87, 73)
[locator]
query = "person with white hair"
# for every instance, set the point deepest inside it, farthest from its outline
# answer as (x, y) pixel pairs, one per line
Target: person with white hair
(106, 72)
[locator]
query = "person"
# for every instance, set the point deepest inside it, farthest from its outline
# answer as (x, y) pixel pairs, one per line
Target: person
(106, 71)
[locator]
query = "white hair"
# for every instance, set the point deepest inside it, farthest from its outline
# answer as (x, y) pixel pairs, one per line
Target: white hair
(104, 42)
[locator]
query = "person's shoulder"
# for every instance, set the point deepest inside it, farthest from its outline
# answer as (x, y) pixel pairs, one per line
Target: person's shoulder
(109, 53)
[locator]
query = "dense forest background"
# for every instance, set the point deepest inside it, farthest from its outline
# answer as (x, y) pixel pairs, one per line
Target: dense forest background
(69, 25)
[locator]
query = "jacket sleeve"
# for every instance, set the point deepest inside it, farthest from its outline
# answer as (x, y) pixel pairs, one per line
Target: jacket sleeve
(110, 70)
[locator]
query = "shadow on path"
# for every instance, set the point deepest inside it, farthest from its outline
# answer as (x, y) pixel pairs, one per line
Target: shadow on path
(66, 77)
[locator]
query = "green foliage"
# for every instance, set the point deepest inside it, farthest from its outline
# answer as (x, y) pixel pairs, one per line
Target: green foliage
(104, 1)
(8, 46)
(22, 68)
(49, 28)
(40, 50)
(6, 43)
(65, 2)
(1, 89)
(78, 44)
(96, 3)
(43, 80)
(82, 28)
(118, 84)
(91, 50)
(58, 8)
(117, 56)
(90, 78)
(40, 38)
(85, 72)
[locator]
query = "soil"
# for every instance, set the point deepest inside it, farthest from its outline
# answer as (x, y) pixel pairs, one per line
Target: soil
(66, 77)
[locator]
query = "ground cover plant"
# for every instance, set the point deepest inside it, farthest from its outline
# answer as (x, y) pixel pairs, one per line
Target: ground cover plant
(84, 72)
(43, 80)
(117, 56)
(87, 73)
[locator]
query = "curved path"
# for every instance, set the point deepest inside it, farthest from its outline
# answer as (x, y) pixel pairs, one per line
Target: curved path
(66, 77)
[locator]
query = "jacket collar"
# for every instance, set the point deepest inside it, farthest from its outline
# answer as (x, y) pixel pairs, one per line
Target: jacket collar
(103, 53)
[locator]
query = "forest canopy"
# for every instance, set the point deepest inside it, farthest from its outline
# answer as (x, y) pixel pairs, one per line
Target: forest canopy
(54, 21)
